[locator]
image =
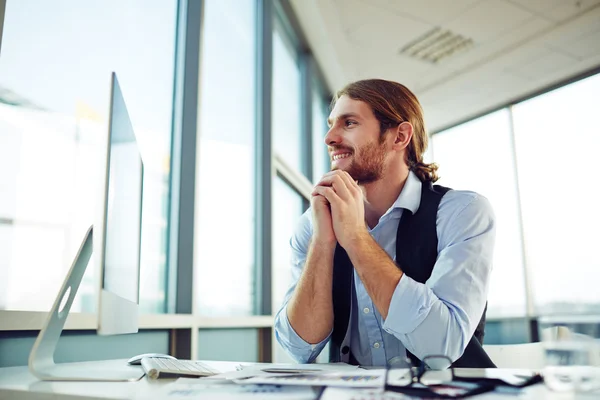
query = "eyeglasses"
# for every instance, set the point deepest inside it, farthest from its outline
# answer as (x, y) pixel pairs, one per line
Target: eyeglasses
(444, 383)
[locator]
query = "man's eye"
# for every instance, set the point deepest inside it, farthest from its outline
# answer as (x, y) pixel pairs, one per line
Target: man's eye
(350, 122)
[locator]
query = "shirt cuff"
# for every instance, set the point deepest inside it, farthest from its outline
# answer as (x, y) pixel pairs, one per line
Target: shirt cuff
(410, 305)
(298, 348)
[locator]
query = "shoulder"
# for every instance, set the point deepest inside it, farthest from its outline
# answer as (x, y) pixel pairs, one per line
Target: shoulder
(457, 202)
(463, 214)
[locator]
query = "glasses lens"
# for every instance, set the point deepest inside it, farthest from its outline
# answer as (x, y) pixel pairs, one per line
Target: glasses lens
(438, 371)
(434, 377)
(399, 362)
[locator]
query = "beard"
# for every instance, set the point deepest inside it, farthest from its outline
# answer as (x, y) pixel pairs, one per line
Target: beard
(367, 164)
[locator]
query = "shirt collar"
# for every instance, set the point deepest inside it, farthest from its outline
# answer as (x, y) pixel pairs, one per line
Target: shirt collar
(410, 196)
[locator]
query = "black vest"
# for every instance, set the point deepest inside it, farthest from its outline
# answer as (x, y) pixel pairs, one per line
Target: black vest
(416, 253)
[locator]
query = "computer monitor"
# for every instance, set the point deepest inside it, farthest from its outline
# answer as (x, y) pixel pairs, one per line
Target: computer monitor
(117, 236)
(119, 247)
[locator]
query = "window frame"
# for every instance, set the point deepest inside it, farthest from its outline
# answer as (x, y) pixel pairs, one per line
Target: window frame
(531, 316)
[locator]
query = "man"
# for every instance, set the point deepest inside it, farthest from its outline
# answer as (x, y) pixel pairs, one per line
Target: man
(378, 299)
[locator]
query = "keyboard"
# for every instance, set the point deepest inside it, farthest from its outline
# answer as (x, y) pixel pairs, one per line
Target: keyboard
(167, 368)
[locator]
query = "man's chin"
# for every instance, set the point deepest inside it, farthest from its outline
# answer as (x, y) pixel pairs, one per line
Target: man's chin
(340, 168)
(349, 170)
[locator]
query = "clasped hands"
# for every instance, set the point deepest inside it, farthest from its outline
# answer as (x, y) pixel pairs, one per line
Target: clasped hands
(338, 210)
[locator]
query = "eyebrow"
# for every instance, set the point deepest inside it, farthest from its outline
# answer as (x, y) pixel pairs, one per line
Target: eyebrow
(344, 116)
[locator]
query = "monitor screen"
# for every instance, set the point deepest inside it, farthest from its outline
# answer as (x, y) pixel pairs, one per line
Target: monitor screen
(115, 240)
(123, 207)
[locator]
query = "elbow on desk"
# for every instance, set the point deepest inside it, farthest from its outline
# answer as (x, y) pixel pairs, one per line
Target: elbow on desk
(446, 335)
(303, 355)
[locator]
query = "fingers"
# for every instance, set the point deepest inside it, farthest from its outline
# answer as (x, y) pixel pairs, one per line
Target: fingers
(350, 183)
(340, 187)
(326, 179)
(319, 201)
(342, 183)
(327, 192)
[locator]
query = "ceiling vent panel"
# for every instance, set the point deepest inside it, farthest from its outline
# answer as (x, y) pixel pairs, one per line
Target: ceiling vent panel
(436, 45)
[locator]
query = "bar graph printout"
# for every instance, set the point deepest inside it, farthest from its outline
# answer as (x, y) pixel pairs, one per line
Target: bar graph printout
(357, 379)
(335, 393)
(215, 391)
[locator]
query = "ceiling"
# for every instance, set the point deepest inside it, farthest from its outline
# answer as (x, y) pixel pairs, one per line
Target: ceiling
(518, 47)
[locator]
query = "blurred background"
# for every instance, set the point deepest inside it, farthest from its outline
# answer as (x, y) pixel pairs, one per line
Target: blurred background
(229, 101)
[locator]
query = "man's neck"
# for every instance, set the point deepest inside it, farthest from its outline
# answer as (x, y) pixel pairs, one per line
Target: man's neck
(381, 194)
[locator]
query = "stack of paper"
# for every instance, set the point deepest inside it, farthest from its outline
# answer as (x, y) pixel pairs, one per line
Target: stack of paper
(189, 388)
(277, 381)
(359, 378)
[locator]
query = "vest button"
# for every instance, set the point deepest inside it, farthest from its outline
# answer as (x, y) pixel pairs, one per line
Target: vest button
(345, 350)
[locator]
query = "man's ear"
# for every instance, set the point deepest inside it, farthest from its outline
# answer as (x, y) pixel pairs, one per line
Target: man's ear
(403, 135)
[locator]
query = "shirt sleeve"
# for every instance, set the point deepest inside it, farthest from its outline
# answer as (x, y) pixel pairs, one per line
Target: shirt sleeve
(440, 316)
(296, 347)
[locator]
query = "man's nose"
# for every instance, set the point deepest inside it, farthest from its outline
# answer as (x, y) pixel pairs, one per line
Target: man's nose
(332, 137)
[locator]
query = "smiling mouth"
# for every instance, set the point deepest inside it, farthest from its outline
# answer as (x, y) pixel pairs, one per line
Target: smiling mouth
(340, 156)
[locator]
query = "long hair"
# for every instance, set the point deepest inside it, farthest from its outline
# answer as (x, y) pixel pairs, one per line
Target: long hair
(392, 104)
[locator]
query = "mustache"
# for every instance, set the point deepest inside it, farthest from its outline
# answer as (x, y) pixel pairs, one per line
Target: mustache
(334, 148)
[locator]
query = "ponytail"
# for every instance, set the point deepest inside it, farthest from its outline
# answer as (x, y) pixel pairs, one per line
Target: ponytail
(425, 172)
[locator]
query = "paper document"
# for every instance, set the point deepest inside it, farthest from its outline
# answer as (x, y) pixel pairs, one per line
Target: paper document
(264, 369)
(332, 393)
(358, 378)
(194, 388)
(283, 367)
(511, 376)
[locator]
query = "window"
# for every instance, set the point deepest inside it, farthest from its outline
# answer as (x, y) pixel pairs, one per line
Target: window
(478, 156)
(225, 183)
(320, 114)
(287, 209)
(287, 136)
(53, 115)
(558, 137)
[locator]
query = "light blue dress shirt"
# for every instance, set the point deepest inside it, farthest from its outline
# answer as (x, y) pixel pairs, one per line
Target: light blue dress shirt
(435, 318)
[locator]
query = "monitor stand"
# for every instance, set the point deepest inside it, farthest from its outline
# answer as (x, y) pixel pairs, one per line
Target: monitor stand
(41, 358)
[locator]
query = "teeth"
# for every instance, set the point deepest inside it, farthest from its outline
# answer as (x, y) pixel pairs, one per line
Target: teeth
(338, 156)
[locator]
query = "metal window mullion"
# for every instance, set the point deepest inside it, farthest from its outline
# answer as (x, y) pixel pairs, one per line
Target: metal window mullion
(295, 179)
(306, 114)
(529, 303)
(326, 107)
(264, 153)
(306, 119)
(2, 13)
(180, 248)
(263, 171)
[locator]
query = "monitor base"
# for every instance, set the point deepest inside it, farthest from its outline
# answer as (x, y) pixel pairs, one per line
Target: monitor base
(92, 371)
(41, 358)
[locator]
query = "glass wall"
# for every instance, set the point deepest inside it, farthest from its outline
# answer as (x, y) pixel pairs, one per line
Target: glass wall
(538, 173)
(289, 142)
(478, 156)
(286, 109)
(54, 99)
(320, 113)
(225, 184)
(239, 345)
(287, 209)
(558, 140)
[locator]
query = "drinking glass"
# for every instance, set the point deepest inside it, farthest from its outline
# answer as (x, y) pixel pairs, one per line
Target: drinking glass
(572, 352)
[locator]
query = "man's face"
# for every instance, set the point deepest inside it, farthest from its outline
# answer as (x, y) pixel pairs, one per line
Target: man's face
(354, 141)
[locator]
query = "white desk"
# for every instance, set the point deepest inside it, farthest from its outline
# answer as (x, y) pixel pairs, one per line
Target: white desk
(18, 383)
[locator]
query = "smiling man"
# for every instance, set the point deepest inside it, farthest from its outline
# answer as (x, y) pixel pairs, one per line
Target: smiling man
(385, 264)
